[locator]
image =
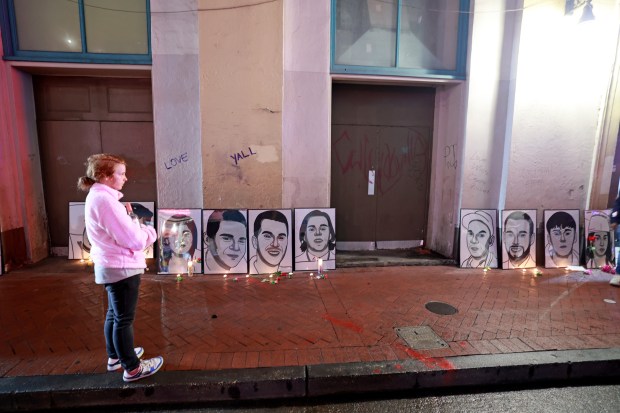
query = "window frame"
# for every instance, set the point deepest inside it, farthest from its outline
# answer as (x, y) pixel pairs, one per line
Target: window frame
(459, 73)
(10, 42)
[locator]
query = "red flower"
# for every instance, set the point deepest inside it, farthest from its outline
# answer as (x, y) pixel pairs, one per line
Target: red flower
(592, 238)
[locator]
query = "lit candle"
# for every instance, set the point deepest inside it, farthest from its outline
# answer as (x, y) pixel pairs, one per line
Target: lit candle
(320, 266)
(190, 267)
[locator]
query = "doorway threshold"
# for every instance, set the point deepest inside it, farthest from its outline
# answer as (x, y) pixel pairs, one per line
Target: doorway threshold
(390, 258)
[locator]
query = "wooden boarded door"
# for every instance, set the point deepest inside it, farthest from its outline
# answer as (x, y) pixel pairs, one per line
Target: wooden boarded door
(79, 116)
(386, 130)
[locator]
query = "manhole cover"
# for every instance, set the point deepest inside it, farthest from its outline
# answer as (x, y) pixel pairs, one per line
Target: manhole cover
(440, 308)
(420, 337)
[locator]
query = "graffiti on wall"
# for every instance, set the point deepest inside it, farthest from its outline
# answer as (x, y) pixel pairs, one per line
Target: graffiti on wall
(242, 155)
(449, 155)
(176, 160)
(358, 155)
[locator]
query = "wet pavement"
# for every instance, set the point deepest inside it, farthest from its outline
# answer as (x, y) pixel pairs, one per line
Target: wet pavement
(354, 329)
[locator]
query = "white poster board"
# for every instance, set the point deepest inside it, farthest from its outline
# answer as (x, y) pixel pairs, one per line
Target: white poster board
(225, 241)
(315, 238)
(561, 237)
(271, 240)
(599, 238)
(478, 238)
(178, 241)
(518, 238)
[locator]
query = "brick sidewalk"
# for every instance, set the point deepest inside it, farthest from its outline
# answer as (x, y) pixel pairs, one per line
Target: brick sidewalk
(51, 318)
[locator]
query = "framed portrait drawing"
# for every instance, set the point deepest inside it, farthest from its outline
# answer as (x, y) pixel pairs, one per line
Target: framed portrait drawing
(79, 245)
(271, 240)
(225, 241)
(478, 240)
(178, 243)
(145, 211)
(518, 238)
(561, 237)
(599, 238)
(315, 238)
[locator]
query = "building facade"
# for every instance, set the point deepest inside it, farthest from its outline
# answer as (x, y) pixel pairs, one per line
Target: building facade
(302, 104)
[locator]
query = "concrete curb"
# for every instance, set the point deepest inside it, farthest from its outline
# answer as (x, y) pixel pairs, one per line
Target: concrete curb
(467, 371)
(107, 390)
(101, 390)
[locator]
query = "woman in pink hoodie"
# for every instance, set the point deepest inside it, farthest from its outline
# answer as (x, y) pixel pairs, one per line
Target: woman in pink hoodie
(118, 241)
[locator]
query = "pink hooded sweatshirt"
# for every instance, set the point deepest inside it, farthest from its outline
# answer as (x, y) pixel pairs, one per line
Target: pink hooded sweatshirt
(117, 240)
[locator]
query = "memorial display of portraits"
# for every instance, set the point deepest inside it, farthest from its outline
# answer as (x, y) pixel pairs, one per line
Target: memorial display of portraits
(267, 241)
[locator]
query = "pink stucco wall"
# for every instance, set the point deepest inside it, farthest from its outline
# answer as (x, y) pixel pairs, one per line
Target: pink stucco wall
(22, 207)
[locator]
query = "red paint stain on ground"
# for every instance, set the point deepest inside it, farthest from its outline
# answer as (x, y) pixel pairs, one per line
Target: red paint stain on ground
(430, 362)
(343, 323)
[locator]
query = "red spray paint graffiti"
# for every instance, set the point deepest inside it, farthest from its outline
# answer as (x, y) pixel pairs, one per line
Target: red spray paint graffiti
(430, 362)
(343, 323)
(392, 162)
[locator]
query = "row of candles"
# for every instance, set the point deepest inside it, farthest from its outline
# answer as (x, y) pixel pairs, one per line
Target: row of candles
(190, 266)
(538, 272)
(320, 272)
(190, 270)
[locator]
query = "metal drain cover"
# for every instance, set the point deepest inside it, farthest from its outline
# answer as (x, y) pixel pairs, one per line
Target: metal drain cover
(440, 308)
(420, 337)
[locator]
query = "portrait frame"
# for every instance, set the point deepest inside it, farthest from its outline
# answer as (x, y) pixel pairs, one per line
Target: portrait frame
(559, 225)
(596, 221)
(521, 256)
(79, 245)
(478, 220)
(305, 259)
(214, 266)
(175, 227)
(282, 262)
(145, 211)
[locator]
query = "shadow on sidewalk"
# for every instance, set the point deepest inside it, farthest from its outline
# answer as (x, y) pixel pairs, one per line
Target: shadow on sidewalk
(387, 258)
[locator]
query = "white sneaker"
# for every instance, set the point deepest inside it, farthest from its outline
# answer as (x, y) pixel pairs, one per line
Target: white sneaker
(115, 364)
(147, 368)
